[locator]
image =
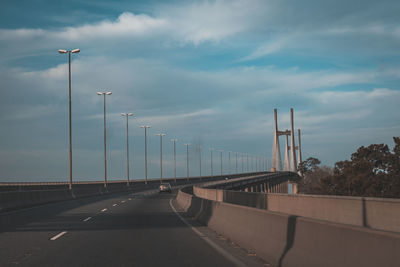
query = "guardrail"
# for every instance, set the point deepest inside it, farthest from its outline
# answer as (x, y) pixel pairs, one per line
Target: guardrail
(20, 195)
(291, 240)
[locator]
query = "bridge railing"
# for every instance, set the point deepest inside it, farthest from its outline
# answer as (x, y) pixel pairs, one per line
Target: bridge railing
(20, 195)
(374, 213)
(285, 239)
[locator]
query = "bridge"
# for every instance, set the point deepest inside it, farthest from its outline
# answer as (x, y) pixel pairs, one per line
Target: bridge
(241, 219)
(230, 220)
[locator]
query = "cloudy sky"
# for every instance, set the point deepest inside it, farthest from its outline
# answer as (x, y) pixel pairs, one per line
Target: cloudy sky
(205, 72)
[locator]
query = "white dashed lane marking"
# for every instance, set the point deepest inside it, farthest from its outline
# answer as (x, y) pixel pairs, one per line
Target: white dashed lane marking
(103, 210)
(115, 205)
(87, 219)
(58, 235)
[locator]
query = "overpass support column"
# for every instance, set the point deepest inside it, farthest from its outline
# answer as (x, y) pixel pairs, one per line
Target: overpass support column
(294, 188)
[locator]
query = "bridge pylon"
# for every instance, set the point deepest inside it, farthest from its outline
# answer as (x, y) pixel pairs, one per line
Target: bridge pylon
(290, 163)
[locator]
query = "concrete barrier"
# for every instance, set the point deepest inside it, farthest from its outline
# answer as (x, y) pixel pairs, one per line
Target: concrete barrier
(20, 195)
(20, 199)
(374, 213)
(289, 240)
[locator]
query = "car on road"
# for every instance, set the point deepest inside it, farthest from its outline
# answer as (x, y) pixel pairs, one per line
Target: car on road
(165, 187)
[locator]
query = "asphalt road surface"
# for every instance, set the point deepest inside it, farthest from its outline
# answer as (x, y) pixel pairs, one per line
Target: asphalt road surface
(138, 229)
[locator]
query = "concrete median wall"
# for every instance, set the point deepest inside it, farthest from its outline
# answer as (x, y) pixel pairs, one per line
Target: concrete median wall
(374, 213)
(290, 240)
(20, 199)
(20, 195)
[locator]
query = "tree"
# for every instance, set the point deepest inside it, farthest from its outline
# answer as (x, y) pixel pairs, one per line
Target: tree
(312, 174)
(372, 171)
(308, 165)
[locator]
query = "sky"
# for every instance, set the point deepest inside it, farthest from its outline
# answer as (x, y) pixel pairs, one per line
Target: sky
(208, 73)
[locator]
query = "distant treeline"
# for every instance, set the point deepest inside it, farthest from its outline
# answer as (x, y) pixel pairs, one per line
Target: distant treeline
(373, 171)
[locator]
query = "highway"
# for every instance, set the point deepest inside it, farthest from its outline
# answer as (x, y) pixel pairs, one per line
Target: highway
(140, 229)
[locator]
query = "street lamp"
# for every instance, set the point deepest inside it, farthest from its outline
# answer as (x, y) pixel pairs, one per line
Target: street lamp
(211, 161)
(256, 160)
(187, 161)
(145, 127)
(236, 162)
(74, 51)
(221, 159)
(242, 163)
(127, 115)
(200, 160)
(229, 160)
(105, 136)
(174, 141)
(161, 136)
(247, 163)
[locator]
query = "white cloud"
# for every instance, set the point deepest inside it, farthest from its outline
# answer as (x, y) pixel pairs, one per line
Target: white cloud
(268, 48)
(211, 20)
(127, 24)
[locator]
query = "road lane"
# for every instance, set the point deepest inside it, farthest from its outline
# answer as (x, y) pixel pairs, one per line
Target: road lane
(143, 231)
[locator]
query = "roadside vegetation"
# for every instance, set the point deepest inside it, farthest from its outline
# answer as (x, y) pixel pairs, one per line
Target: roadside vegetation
(372, 171)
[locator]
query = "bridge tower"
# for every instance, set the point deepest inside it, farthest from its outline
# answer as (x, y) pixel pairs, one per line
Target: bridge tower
(293, 163)
(290, 163)
(276, 154)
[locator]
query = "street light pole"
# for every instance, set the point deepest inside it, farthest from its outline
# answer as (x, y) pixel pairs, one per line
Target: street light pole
(174, 140)
(127, 145)
(161, 136)
(200, 160)
(236, 163)
(229, 160)
(105, 136)
(211, 161)
(62, 51)
(187, 161)
(145, 127)
(221, 159)
(247, 164)
(256, 160)
(242, 163)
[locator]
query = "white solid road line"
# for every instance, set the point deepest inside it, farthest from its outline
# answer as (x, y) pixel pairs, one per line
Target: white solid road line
(103, 210)
(57, 236)
(222, 251)
(87, 219)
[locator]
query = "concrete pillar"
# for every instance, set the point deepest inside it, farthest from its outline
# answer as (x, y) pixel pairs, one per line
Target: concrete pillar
(287, 163)
(299, 158)
(276, 154)
(293, 163)
(246, 190)
(294, 188)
